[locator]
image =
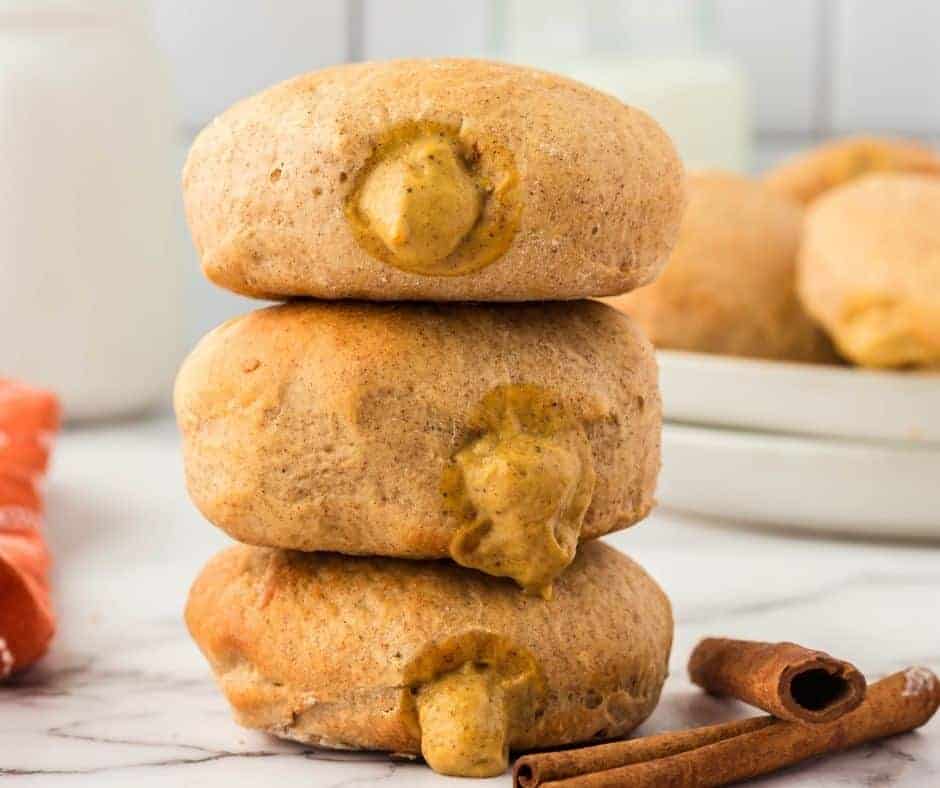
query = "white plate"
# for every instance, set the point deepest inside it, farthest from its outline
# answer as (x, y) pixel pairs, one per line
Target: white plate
(805, 399)
(806, 483)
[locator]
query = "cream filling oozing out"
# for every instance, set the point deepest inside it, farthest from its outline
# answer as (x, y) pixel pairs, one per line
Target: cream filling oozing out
(464, 723)
(474, 694)
(435, 200)
(421, 203)
(522, 488)
(883, 332)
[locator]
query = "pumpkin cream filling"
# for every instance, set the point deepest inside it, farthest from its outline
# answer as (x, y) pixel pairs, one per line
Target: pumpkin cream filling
(464, 725)
(421, 203)
(472, 700)
(433, 201)
(520, 487)
(885, 332)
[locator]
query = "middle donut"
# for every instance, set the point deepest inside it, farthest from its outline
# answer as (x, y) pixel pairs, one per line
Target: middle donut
(498, 436)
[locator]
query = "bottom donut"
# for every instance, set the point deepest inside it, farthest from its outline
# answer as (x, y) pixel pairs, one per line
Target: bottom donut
(430, 658)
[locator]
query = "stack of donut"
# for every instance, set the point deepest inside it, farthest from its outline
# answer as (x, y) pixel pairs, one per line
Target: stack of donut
(419, 449)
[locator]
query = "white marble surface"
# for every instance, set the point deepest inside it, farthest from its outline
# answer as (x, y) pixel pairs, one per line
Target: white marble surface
(124, 698)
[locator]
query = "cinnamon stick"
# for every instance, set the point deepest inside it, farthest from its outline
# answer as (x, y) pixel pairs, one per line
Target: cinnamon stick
(896, 704)
(534, 770)
(784, 679)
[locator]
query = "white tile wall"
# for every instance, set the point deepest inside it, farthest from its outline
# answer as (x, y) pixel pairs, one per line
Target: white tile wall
(814, 64)
(222, 51)
(423, 28)
(778, 44)
(886, 65)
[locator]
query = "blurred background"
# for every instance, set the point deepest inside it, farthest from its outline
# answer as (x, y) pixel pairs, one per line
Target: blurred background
(101, 98)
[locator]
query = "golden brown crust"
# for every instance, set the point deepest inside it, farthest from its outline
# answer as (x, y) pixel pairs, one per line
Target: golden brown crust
(320, 647)
(730, 285)
(870, 269)
(266, 184)
(808, 175)
(328, 426)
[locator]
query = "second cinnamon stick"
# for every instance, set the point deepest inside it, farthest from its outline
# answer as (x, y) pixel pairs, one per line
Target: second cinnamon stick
(532, 771)
(787, 680)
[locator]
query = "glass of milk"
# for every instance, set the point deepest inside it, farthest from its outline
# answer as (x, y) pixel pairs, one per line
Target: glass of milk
(91, 233)
(659, 55)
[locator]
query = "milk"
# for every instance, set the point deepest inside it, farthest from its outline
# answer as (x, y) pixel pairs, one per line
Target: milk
(701, 101)
(90, 253)
(654, 54)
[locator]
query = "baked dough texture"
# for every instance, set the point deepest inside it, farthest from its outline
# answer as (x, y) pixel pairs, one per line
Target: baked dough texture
(870, 269)
(808, 175)
(433, 179)
(419, 656)
(730, 285)
(496, 435)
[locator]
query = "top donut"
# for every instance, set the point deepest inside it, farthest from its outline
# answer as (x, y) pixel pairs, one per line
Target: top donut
(439, 180)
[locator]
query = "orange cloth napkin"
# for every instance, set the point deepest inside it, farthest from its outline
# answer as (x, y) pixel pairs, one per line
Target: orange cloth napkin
(29, 419)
